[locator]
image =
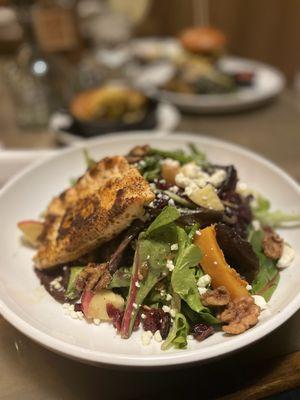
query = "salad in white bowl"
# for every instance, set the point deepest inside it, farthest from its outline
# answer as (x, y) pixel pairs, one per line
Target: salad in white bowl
(165, 242)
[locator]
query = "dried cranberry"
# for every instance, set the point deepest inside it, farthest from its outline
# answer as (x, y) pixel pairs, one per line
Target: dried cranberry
(137, 322)
(157, 320)
(163, 185)
(115, 314)
(78, 307)
(165, 325)
(202, 331)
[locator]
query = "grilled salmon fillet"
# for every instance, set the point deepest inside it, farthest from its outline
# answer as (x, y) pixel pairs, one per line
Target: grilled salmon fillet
(102, 203)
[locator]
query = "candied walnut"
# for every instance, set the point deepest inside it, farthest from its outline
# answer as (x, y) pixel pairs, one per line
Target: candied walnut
(272, 244)
(137, 154)
(217, 297)
(93, 277)
(240, 315)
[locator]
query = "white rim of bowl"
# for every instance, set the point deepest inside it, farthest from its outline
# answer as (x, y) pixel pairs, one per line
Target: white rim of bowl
(164, 359)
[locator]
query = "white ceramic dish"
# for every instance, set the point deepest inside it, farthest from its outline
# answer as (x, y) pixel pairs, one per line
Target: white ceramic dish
(31, 310)
(268, 83)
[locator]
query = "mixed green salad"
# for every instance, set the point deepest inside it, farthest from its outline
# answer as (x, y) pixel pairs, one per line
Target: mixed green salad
(204, 256)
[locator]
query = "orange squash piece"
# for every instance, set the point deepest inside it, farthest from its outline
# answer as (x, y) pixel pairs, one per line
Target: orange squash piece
(214, 264)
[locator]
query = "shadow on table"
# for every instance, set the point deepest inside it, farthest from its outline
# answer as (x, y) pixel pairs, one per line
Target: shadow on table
(32, 372)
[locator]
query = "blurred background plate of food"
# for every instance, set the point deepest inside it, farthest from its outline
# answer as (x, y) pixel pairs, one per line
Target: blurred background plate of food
(111, 108)
(195, 74)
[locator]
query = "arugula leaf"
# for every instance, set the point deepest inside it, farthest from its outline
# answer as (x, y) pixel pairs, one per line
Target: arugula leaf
(181, 156)
(204, 316)
(90, 162)
(152, 251)
(73, 181)
(267, 278)
(169, 214)
(121, 278)
(177, 336)
(150, 167)
(199, 156)
(183, 278)
(71, 292)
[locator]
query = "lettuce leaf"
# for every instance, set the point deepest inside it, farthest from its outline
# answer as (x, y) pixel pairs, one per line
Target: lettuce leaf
(183, 278)
(177, 336)
(266, 217)
(267, 278)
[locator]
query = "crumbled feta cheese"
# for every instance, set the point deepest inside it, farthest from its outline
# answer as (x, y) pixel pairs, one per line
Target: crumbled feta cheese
(174, 247)
(181, 180)
(162, 292)
(151, 205)
(171, 202)
(218, 177)
(174, 189)
(249, 287)
(143, 316)
(287, 257)
(142, 163)
(55, 283)
(190, 337)
(73, 314)
(170, 265)
(204, 281)
(80, 315)
(96, 321)
(148, 257)
(171, 163)
(191, 188)
(162, 181)
(256, 225)
(202, 290)
(241, 186)
(198, 232)
(168, 297)
(172, 313)
(135, 306)
(166, 309)
(260, 302)
(137, 284)
(157, 336)
(146, 337)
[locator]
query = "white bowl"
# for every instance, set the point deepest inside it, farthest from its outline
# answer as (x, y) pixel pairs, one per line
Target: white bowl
(31, 310)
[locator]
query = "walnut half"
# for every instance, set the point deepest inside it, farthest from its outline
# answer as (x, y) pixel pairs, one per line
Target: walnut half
(272, 244)
(217, 297)
(93, 277)
(239, 315)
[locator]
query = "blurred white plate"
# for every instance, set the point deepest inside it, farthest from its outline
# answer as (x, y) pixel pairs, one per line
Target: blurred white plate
(39, 316)
(13, 161)
(268, 83)
(168, 117)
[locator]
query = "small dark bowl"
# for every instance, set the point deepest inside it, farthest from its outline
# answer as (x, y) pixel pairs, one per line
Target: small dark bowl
(95, 128)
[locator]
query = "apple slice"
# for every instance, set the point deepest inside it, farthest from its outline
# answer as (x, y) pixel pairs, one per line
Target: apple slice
(31, 230)
(94, 304)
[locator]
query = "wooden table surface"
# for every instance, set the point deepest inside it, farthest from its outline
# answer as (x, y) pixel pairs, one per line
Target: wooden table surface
(28, 371)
